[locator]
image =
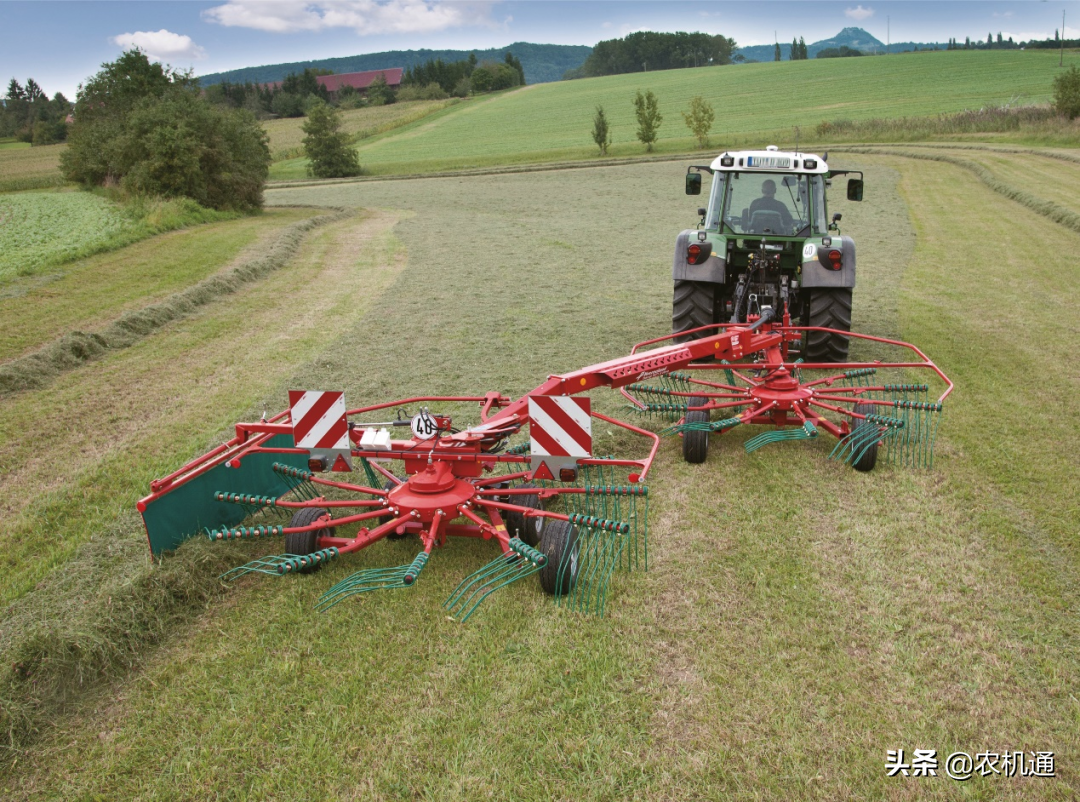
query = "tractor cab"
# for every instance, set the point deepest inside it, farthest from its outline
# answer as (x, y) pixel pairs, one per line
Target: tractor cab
(766, 240)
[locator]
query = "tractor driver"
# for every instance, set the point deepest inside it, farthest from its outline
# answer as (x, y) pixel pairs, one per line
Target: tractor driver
(768, 203)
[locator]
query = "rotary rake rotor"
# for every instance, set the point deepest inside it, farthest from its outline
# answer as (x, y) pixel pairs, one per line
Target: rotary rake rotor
(873, 409)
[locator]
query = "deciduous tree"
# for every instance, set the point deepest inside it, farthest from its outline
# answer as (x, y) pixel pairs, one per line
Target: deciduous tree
(147, 128)
(649, 118)
(1067, 93)
(699, 119)
(326, 145)
(601, 132)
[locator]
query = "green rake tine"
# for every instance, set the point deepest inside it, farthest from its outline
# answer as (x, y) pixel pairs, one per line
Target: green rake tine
(806, 432)
(281, 564)
(703, 426)
(251, 503)
(298, 480)
(499, 573)
(729, 374)
(400, 576)
(244, 532)
(373, 478)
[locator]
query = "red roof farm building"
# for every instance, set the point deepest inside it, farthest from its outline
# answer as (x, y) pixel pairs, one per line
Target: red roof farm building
(360, 81)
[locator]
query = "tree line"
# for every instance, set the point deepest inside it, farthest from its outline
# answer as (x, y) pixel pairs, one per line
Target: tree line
(147, 130)
(464, 77)
(648, 50)
(28, 115)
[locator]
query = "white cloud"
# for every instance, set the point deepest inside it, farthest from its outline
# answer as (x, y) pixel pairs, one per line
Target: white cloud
(858, 13)
(363, 16)
(161, 45)
(1002, 14)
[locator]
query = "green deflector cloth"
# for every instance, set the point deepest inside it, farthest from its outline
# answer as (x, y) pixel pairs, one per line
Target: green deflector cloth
(187, 509)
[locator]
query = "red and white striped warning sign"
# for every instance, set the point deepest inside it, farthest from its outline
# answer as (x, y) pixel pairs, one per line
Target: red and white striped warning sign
(560, 426)
(318, 419)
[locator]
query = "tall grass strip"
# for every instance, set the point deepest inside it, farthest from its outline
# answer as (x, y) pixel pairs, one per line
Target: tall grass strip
(93, 620)
(36, 370)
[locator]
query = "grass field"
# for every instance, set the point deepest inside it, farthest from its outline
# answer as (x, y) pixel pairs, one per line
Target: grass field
(797, 621)
(752, 102)
(287, 136)
(30, 168)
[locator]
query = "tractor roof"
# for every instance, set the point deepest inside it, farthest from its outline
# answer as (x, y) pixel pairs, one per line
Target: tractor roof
(772, 159)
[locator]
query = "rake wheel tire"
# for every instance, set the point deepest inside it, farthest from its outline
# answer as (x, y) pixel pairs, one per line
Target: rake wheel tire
(695, 445)
(693, 305)
(529, 530)
(829, 307)
(868, 459)
(560, 542)
(306, 542)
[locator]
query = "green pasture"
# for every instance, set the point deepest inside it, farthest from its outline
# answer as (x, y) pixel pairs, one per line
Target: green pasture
(287, 135)
(798, 619)
(23, 167)
(753, 103)
(41, 228)
(87, 293)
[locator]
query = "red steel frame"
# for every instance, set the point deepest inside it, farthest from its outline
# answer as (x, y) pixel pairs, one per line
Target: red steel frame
(444, 478)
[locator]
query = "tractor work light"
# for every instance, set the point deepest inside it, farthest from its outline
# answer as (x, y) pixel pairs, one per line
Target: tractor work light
(810, 164)
(727, 161)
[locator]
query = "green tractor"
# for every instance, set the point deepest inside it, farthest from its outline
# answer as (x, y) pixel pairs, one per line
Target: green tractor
(765, 240)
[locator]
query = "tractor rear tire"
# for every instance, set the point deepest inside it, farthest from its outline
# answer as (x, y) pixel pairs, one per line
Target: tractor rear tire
(301, 543)
(529, 530)
(829, 307)
(560, 545)
(695, 444)
(693, 305)
(868, 459)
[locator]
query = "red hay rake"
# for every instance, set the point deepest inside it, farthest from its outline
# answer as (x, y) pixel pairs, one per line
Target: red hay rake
(552, 508)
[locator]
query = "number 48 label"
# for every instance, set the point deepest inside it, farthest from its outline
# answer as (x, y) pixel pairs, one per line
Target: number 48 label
(424, 426)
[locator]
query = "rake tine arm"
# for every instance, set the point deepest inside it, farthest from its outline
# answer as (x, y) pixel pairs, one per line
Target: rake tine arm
(372, 535)
(508, 477)
(646, 463)
(499, 534)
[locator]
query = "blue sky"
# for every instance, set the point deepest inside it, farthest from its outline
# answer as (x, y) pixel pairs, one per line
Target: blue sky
(59, 43)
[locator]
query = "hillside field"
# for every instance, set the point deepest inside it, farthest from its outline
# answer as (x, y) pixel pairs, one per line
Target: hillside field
(753, 103)
(797, 620)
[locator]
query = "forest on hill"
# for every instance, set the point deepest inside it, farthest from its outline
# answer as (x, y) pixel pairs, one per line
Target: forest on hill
(542, 63)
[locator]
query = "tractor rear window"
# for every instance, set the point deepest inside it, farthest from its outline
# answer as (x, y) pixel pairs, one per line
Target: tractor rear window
(767, 203)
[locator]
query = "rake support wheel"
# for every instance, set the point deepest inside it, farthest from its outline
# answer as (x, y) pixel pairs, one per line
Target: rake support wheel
(695, 444)
(301, 543)
(560, 545)
(829, 307)
(530, 530)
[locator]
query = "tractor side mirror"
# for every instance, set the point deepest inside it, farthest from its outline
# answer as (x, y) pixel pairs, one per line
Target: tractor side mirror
(854, 189)
(693, 183)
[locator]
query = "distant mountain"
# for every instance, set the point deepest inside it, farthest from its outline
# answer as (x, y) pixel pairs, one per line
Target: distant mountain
(542, 63)
(855, 38)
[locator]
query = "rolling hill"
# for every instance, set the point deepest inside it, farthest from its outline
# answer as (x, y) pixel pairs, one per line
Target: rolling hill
(753, 101)
(542, 63)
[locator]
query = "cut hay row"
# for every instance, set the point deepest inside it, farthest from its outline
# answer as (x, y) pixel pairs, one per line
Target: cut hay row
(74, 349)
(1048, 209)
